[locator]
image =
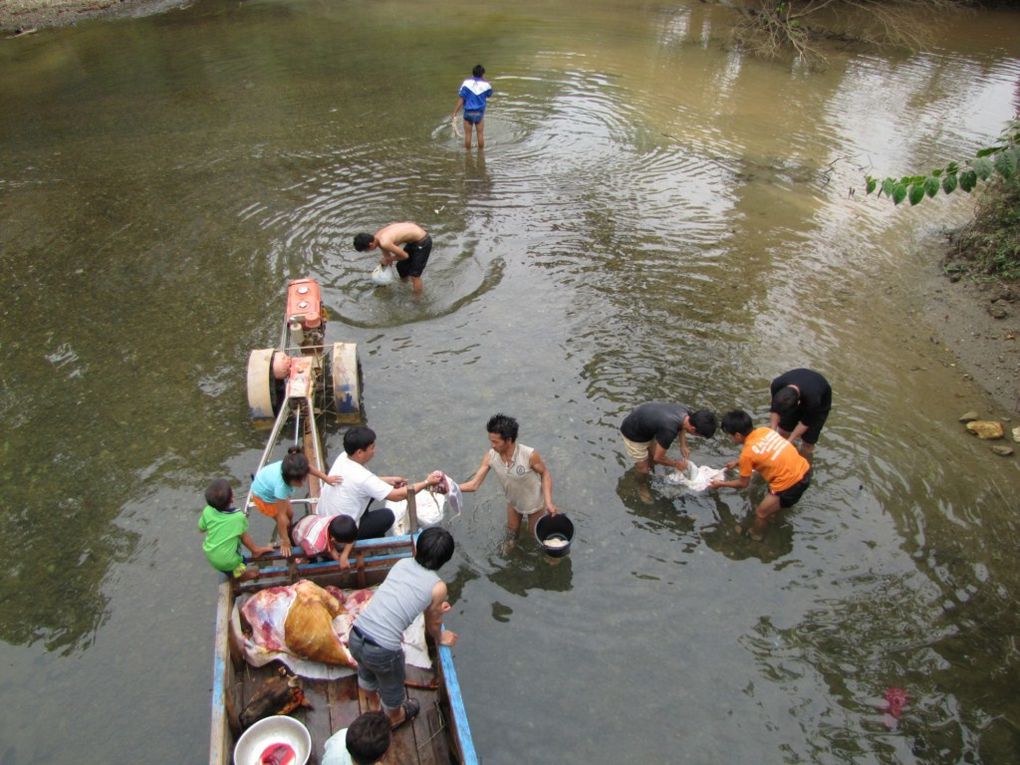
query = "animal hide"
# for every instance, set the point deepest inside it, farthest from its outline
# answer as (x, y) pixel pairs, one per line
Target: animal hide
(298, 619)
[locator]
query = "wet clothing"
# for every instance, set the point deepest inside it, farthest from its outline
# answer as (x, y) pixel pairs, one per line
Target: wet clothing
(790, 497)
(417, 257)
(475, 91)
(521, 484)
(222, 544)
(814, 402)
(778, 461)
(656, 421)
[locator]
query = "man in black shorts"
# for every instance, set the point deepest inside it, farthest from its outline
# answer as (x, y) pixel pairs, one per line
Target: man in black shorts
(801, 400)
(407, 244)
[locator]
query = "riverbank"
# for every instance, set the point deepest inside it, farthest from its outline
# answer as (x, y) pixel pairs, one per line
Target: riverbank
(21, 17)
(978, 323)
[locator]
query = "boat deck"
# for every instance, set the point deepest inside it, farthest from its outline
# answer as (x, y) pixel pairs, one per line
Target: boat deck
(426, 740)
(336, 703)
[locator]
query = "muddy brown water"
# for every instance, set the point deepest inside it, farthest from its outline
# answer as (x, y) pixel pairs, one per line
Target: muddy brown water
(655, 217)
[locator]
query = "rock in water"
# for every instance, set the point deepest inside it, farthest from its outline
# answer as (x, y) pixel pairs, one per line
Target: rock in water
(969, 416)
(1016, 434)
(988, 430)
(1003, 451)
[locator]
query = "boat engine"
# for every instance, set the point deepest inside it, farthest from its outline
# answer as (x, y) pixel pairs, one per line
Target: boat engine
(306, 323)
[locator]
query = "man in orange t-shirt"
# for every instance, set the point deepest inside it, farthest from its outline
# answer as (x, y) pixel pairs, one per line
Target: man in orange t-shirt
(788, 474)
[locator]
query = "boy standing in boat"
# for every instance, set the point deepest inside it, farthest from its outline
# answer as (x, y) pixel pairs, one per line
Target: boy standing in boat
(411, 587)
(226, 529)
(526, 480)
(407, 244)
(784, 468)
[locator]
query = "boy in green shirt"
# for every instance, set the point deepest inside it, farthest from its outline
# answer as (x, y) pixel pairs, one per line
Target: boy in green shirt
(226, 529)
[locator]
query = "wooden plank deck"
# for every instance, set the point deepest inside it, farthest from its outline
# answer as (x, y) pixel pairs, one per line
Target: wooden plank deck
(335, 704)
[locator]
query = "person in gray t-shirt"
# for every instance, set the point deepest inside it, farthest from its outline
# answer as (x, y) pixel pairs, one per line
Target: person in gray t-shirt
(410, 588)
(650, 429)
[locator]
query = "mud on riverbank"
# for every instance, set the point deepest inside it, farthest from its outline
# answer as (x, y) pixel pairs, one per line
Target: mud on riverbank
(978, 323)
(21, 17)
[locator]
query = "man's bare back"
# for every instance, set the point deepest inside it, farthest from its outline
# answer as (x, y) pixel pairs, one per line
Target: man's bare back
(411, 258)
(399, 233)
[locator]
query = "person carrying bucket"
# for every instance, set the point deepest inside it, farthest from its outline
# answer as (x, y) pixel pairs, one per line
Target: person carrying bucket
(526, 480)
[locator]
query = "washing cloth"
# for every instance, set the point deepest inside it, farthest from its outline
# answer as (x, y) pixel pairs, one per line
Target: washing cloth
(695, 478)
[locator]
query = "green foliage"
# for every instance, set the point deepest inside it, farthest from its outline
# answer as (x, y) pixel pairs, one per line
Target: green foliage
(989, 246)
(998, 160)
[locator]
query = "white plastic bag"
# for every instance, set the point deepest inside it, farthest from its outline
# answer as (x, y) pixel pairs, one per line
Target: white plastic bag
(696, 478)
(428, 506)
(384, 275)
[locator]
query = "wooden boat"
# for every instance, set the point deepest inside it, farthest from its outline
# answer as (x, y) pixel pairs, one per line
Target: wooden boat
(440, 734)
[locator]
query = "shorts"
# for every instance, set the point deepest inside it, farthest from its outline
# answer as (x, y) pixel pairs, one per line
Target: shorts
(639, 451)
(529, 513)
(474, 116)
(814, 430)
(789, 497)
(272, 509)
(380, 670)
(417, 257)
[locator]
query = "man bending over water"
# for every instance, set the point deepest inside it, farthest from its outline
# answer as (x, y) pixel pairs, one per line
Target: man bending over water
(407, 244)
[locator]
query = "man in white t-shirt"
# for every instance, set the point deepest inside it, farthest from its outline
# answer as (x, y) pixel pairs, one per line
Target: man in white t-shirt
(360, 486)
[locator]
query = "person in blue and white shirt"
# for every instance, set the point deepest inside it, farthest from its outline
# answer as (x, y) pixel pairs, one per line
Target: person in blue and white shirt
(473, 96)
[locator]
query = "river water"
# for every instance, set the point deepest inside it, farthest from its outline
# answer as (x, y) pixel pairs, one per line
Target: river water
(655, 216)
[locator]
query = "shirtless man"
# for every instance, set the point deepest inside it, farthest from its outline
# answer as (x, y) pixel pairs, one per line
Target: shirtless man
(410, 258)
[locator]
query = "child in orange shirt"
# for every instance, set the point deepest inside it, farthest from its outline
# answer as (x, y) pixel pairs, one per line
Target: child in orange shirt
(777, 460)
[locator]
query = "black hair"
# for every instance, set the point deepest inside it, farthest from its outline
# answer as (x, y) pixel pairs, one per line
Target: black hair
(343, 529)
(368, 738)
(357, 438)
(434, 548)
(785, 400)
(219, 494)
(362, 241)
(503, 425)
(704, 423)
(737, 421)
(478, 71)
(295, 465)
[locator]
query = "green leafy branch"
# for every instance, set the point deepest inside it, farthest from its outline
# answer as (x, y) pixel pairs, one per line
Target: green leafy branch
(1002, 159)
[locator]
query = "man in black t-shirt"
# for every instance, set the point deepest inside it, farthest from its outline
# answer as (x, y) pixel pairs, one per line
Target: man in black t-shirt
(650, 429)
(801, 400)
